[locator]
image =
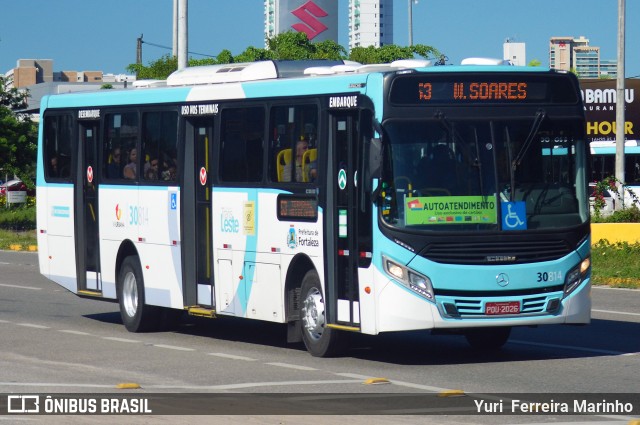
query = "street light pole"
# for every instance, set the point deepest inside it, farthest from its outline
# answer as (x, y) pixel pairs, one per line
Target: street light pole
(620, 101)
(183, 31)
(410, 23)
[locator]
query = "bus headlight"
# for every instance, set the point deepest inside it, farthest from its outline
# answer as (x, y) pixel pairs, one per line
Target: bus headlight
(576, 276)
(416, 282)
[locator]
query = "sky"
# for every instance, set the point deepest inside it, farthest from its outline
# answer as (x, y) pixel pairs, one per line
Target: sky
(92, 35)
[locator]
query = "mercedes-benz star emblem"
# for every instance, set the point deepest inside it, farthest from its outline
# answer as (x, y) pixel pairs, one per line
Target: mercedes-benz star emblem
(502, 279)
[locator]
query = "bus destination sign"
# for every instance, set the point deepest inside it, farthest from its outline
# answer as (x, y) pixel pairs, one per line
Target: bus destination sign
(294, 207)
(513, 90)
(427, 89)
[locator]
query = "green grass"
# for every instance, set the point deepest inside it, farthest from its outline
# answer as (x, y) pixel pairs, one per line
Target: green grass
(17, 225)
(616, 264)
(23, 239)
(18, 218)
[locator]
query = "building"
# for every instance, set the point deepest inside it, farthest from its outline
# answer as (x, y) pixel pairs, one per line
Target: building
(515, 52)
(37, 76)
(316, 18)
(30, 72)
(370, 23)
(575, 54)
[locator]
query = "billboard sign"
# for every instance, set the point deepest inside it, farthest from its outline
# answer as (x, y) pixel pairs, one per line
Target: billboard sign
(599, 97)
(316, 18)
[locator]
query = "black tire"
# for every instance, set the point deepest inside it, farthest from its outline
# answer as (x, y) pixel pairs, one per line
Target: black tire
(488, 339)
(320, 340)
(136, 315)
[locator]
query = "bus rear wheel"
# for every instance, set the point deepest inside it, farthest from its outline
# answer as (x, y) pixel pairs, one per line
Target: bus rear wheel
(488, 339)
(136, 316)
(320, 340)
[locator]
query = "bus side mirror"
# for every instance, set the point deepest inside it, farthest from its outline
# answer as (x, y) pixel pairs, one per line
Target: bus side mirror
(373, 167)
(375, 159)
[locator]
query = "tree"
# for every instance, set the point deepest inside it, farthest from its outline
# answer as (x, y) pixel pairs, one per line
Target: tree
(159, 69)
(535, 62)
(18, 135)
(390, 53)
(290, 46)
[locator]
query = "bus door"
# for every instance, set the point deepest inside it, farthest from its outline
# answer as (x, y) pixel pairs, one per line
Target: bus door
(197, 239)
(86, 207)
(343, 241)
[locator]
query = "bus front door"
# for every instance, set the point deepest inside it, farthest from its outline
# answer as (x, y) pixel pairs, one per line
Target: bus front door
(197, 254)
(86, 208)
(343, 239)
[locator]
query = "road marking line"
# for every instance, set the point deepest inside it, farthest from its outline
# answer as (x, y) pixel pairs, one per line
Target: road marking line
(113, 338)
(4, 321)
(248, 385)
(69, 331)
(52, 384)
(231, 356)
(31, 325)
(292, 366)
(173, 347)
(573, 348)
(624, 313)
(33, 288)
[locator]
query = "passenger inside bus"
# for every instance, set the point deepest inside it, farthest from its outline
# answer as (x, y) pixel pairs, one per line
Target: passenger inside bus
(53, 169)
(130, 170)
(114, 166)
(302, 146)
(151, 169)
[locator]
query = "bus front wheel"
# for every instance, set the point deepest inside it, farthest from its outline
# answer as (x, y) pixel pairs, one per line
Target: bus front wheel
(136, 316)
(488, 339)
(320, 340)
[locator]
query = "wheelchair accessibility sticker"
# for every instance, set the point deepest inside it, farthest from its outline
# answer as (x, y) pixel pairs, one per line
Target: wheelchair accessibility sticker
(514, 215)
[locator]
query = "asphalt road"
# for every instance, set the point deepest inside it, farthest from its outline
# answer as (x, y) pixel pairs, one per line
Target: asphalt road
(52, 342)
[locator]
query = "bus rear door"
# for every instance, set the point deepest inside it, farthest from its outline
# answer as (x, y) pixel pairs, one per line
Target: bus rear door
(197, 254)
(86, 207)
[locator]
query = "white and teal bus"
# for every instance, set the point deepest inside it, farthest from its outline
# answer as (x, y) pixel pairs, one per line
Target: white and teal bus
(603, 165)
(333, 198)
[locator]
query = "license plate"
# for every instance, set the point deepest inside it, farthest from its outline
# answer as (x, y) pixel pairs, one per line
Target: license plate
(498, 308)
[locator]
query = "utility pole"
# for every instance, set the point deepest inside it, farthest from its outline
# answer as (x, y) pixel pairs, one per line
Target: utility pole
(620, 102)
(410, 23)
(182, 33)
(174, 51)
(139, 51)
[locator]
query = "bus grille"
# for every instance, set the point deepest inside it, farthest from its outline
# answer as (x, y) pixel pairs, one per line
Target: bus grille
(498, 252)
(473, 307)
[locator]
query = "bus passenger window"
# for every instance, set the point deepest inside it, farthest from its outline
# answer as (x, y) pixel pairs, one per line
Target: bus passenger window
(242, 151)
(159, 146)
(294, 144)
(120, 158)
(58, 131)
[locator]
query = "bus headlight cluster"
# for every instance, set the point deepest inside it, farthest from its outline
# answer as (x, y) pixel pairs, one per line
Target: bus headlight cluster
(416, 282)
(576, 276)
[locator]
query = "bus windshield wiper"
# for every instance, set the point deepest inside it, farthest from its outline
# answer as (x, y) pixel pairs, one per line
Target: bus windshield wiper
(512, 169)
(537, 121)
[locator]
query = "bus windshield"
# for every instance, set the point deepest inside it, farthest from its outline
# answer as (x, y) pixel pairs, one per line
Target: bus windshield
(446, 174)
